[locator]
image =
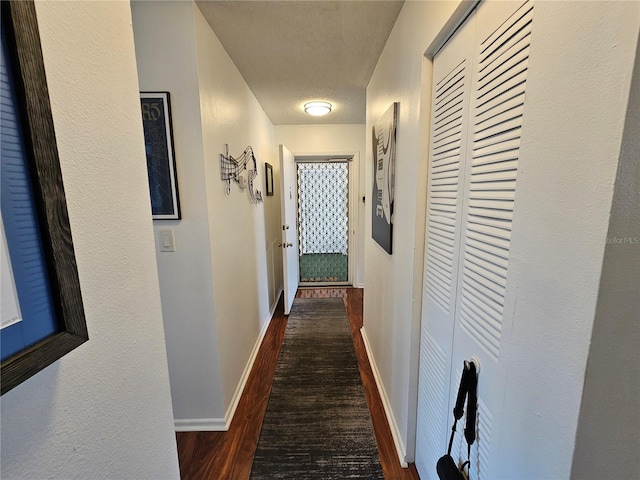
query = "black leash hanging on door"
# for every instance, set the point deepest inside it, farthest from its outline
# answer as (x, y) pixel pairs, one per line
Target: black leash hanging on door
(446, 466)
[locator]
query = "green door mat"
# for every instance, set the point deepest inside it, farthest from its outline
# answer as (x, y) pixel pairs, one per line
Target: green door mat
(324, 267)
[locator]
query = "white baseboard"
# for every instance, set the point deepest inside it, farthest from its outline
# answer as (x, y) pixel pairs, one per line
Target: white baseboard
(200, 425)
(222, 424)
(395, 431)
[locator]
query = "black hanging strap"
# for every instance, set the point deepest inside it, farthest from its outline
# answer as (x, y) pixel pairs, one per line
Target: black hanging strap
(466, 391)
(472, 404)
(446, 465)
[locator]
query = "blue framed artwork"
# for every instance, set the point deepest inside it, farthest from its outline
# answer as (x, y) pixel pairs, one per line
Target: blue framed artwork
(27, 312)
(41, 304)
(161, 165)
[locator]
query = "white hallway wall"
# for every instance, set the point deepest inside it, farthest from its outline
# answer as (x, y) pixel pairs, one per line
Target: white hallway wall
(232, 115)
(328, 139)
(570, 152)
(167, 62)
(220, 286)
(104, 410)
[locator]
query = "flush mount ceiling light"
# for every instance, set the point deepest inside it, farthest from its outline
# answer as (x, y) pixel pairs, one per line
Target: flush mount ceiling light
(317, 109)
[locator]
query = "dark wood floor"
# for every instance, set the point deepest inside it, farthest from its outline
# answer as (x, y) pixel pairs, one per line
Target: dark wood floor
(228, 455)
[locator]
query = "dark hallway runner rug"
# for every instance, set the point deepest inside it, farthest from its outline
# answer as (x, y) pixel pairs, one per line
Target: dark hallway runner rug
(317, 424)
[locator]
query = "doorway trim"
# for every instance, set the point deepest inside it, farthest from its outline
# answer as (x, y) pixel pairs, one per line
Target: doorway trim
(353, 160)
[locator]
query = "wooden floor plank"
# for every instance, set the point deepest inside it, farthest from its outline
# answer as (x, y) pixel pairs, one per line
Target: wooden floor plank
(228, 455)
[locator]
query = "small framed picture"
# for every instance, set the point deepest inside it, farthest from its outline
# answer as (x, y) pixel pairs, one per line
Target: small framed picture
(161, 163)
(269, 179)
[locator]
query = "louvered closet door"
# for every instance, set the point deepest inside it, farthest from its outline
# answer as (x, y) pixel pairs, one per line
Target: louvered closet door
(499, 49)
(450, 101)
(503, 35)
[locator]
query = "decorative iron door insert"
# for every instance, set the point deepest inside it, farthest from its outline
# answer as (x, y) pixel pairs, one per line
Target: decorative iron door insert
(323, 218)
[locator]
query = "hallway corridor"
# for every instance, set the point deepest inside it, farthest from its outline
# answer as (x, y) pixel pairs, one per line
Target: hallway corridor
(228, 455)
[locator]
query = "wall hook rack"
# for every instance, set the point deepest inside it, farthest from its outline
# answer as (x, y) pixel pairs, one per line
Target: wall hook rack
(232, 168)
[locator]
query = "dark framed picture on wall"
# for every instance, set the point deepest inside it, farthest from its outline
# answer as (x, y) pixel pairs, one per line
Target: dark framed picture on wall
(161, 163)
(268, 170)
(384, 177)
(41, 309)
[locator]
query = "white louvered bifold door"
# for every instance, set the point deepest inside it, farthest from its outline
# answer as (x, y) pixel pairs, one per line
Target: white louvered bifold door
(449, 120)
(475, 304)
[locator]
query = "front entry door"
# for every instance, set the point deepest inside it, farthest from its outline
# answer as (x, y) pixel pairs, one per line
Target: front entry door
(289, 231)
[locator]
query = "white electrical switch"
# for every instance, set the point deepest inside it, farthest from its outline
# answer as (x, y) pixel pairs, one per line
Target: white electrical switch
(167, 242)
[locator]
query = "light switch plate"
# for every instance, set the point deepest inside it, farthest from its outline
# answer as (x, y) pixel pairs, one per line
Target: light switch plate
(167, 240)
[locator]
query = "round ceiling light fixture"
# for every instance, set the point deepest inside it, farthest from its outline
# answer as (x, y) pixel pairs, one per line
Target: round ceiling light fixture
(317, 109)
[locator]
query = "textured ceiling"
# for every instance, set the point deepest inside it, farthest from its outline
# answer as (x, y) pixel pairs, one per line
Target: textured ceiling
(293, 52)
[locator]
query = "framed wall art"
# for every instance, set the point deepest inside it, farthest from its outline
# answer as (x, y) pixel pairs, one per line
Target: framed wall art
(384, 168)
(42, 312)
(161, 164)
(268, 169)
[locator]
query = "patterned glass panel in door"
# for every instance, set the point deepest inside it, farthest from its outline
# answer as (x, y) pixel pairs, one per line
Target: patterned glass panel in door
(323, 219)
